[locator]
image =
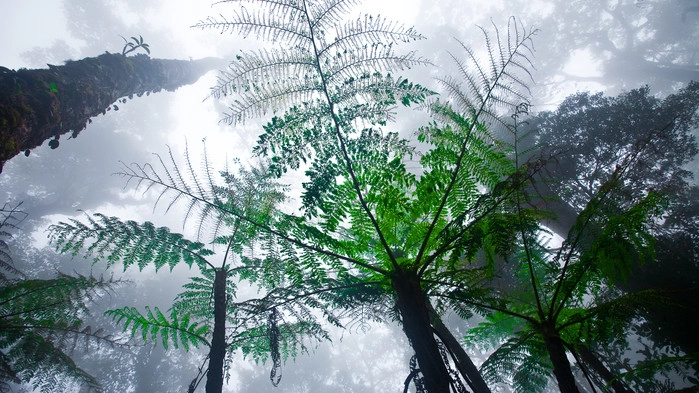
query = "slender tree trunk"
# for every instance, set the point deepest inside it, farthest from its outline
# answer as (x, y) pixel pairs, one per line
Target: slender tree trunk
(412, 306)
(593, 362)
(217, 354)
(37, 105)
(561, 365)
(466, 368)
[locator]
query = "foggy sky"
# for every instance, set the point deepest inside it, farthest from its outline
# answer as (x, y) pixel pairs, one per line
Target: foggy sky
(580, 46)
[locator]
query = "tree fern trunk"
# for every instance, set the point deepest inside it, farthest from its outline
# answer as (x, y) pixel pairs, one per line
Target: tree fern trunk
(593, 362)
(36, 105)
(561, 365)
(412, 306)
(217, 354)
(463, 362)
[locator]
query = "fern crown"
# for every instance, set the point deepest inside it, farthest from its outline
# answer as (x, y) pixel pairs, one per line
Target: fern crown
(320, 56)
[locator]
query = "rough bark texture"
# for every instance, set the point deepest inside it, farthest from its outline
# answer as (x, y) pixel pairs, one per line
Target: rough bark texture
(217, 354)
(561, 365)
(36, 105)
(412, 306)
(463, 362)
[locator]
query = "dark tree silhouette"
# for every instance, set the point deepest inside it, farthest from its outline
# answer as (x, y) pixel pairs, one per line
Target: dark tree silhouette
(43, 104)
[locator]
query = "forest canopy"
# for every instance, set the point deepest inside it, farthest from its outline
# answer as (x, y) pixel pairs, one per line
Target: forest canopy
(511, 249)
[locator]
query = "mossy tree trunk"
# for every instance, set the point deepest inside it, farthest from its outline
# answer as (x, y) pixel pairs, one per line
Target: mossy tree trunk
(41, 104)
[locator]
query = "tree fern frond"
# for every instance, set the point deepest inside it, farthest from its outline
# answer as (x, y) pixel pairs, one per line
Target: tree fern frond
(522, 358)
(127, 242)
(368, 58)
(176, 329)
(253, 68)
(274, 21)
(500, 84)
(270, 95)
(41, 321)
(38, 362)
(10, 218)
(354, 33)
(326, 14)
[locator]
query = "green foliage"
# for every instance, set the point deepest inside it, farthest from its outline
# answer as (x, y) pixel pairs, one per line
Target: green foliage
(42, 322)
(522, 357)
(11, 218)
(128, 242)
(174, 329)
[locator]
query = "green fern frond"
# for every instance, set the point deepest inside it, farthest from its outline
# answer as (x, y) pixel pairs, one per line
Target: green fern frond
(522, 358)
(128, 242)
(176, 329)
(41, 321)
(318, 54)
(270, 20)
(45, 367)
(245, 199)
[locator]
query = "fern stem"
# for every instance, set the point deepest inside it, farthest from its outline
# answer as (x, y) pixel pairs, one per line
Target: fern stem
(217, 353)
(343, 147)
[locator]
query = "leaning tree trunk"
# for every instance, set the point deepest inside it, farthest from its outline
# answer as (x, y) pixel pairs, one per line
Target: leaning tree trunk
(217, 353)
(412, 306)
(561, 365)
(594, 363)
(464, 364)
(36, 105)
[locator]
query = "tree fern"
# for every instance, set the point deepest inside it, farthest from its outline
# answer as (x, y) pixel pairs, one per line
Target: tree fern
(558, 295)
(329, 95)
(42, 322)
(234, 209)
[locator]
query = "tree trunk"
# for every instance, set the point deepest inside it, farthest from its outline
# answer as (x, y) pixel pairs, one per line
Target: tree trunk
(36, 105)
(412, 306)
(217, 353)
(466, 368)
(593, 363)
(561, 365)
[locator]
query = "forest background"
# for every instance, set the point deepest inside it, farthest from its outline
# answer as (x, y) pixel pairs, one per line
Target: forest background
(591, 47)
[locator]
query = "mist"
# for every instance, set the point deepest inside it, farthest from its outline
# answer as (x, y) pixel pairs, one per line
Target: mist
(596, 46)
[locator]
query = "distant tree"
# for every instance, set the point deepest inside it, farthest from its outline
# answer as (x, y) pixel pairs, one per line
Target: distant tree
(42, 322)
(43, 104)
(587, 136)
(635, 42)
(561, 300)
